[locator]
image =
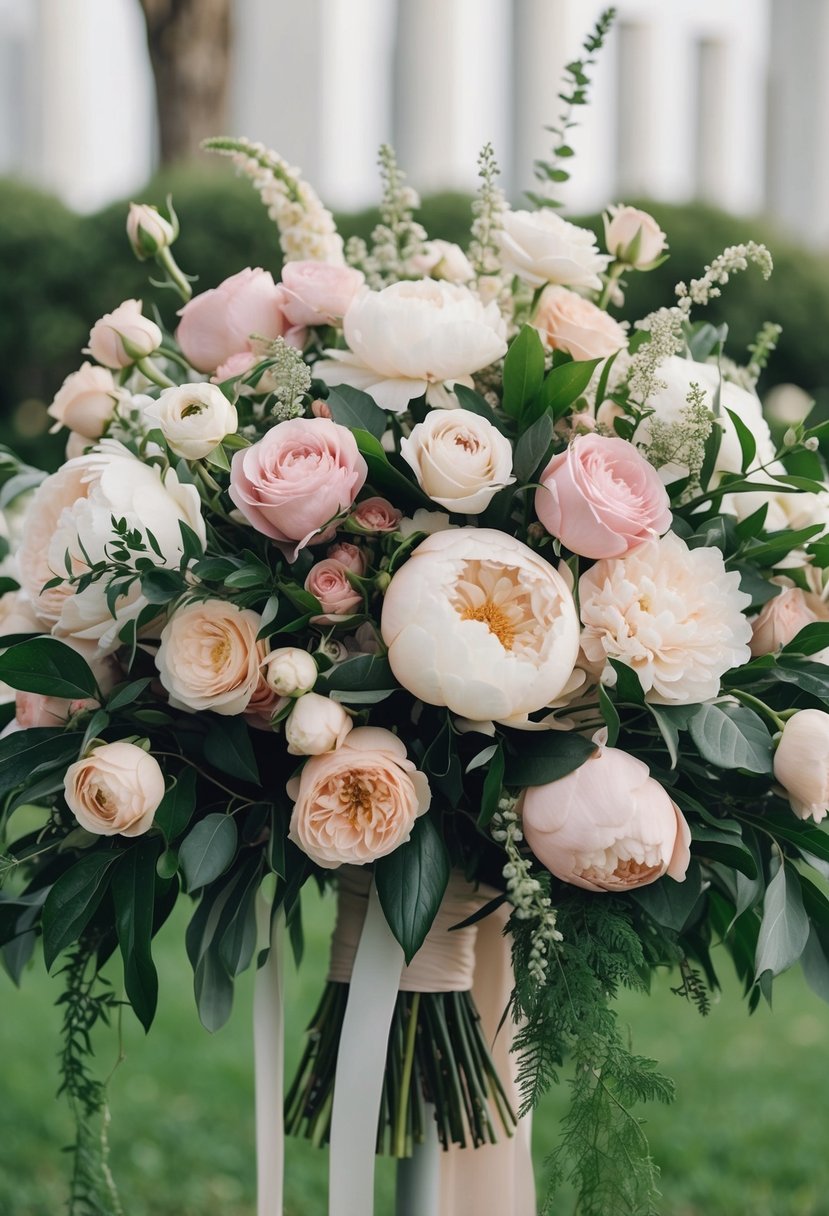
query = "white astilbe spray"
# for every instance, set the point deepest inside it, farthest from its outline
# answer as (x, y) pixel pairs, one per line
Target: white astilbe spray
(307, 231)
(761, 349)
(488, 209)
(683, 441)
(288, 378)
(398, 240)
(525, 892)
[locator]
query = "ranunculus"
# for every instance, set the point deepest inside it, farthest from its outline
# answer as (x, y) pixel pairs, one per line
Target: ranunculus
(289, 671)
(782, 618)
(358, 803)
(541, 247)
(297, 479)
(375, 515)
(801, 763)
(460, 459)
(601, 498)
(476, 621)
(219, 323)
(316, 725)
(116, 789)
(607, 826)
(633, 236)
(318, 293)
(348, 555)
(570, 323)
(194, 418)
(121, 337)
(673, 614)
(208, 658)
(444, 260)
(85, 402)
(414, 338)
(328, 581)
(147, 231)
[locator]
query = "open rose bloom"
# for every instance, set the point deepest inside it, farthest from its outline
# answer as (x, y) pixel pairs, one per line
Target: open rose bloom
(409, 568)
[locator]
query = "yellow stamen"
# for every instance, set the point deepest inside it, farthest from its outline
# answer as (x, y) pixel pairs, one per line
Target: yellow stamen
(495, 619)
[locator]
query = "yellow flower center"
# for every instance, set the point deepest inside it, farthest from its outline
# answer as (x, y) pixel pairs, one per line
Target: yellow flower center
(496, 621)
(220, 653)
(357, 799)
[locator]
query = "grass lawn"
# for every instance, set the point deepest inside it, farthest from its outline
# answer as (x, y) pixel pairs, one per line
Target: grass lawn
(747, 1136)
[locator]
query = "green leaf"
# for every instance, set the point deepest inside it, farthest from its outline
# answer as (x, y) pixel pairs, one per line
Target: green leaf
(565, 384)
(411, 883)
(533, 447)
(611, 716)
(539, 757)
(227, 747)
(493, 784)
(727, 847)
(627, 690)
(523, 371)
(712, 449)
(808, 837)
(177, 805)
(237, 939)
(474, 402)
(27, 750)
(811, 638)
(47, 666)
(670, 903)
(386, 477)
(815, 963)
(784, 929)
(669, 731)
(73, 901)
(365, 673)
(159, 586)
(732, 736)
(133, 893)
(208, 849)
(125, 694)
(356, 410)
(748, 444)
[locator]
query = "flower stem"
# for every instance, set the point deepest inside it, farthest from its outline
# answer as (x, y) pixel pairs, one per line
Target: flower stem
(153, 373)
(178, 279)
(616, 272)
(760, 706)
(406, 1077)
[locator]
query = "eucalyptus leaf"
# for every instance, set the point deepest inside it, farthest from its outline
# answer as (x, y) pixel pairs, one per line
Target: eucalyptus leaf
(732, 736)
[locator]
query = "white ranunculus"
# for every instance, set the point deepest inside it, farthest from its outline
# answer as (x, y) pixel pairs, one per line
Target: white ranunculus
(194, 418)
(413, 338)
(316, 725)
(476, 621)
(459, 458)
(290, 671)
(542, 247)
(73, 515)
(801, 763)
(672, 614)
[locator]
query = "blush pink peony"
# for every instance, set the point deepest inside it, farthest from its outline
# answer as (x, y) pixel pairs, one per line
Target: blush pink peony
(601, 498)
(219, 323)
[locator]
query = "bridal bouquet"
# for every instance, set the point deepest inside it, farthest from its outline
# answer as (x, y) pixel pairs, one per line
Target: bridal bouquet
(410, 570)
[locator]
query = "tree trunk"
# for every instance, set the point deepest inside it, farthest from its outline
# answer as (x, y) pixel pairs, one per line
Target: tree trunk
(189, 43)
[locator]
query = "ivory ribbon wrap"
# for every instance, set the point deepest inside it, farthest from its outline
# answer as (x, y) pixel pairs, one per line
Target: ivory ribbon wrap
(269, 1062)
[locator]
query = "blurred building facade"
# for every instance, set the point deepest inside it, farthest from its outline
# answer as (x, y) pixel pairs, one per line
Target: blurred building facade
(726, 102)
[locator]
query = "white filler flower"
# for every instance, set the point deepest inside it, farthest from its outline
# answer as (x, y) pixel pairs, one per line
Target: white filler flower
(673, 614)
(476, 621)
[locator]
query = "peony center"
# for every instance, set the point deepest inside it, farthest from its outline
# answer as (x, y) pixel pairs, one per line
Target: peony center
(356, 798)
(220, 653)
(496, 621)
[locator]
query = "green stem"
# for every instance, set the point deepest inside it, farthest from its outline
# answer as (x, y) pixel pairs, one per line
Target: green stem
(406, 1077)
(178, 278)
(153, 373)
(616, 272)
(760, 706)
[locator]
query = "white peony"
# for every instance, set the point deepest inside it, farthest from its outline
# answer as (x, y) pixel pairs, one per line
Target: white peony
(541, 247)
(193, 418)
(459, 458)
(414, 338)
(476, 621)
(673, 614)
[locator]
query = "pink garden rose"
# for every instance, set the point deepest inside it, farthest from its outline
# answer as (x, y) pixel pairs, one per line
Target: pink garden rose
(122, 336)
(601, 498)
(219, 323)
(375, 515)
(85, 402)
(318, 293)
(600, 842)
(348, 555)
(359, 802)
(297, 479)
(328, 581)
(569, 322)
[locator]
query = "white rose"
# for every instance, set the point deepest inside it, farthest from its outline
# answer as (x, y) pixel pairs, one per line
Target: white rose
(209, 658)
(476, 621)
(633, 236)
(316, 725)
(541, 247)
(85, 402)
(121, 337)
(801, 763)
(147, 231)
(460, 459)
(414, 338)
(194, 418)
(116, 789)
(289, 671)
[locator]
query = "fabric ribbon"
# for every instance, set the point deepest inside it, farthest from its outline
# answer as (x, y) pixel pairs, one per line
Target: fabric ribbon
(269, 1063)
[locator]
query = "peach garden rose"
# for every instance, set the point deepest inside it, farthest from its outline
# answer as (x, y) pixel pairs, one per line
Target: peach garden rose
(569, 322)
(85, 402)
(116, 789)
(209, 658)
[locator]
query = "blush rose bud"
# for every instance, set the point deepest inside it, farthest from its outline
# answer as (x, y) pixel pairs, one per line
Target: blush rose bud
(123, 337)
(633, 237)
(148, 231)
(116, 789)
(316, 725)
(289, 671)
(801, 763)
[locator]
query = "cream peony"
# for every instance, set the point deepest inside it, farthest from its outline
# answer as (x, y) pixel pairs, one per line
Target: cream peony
(121, 337)
(316, 725)
(85, 402)
(801, 763)
(414, 338)
(194, 419)
(116, 789)
(541, 247)
(568, 322)
(673, 614)
(289, 671)
(607, 826)
(358, 803)
(476, 621)
(460, 459)
(209, 658)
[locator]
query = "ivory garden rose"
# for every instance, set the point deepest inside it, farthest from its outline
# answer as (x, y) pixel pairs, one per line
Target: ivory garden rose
(359, 802)
(86, 400)
(568, 322)
(122, 337)
(801, 763)
(316, 725)
(220, 322)
(540, 247)
(209, 658)
(459, 458)
(194, 419)
(115, 790)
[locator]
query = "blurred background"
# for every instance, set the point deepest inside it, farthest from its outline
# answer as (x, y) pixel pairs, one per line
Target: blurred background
(713, 114)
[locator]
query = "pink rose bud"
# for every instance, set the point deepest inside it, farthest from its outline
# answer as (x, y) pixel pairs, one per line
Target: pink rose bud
(603, 843)
(320, 409)
(147, 231)
(601, 498)
(633, 236)
(237, 365)
(352, 557)
(318, 293)
(375, 515)
(570, 323)
(122, 337)
(782, 619)
(219, 323)
(801, 763)
(328, 581)
(85, 402)
(297, 479)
